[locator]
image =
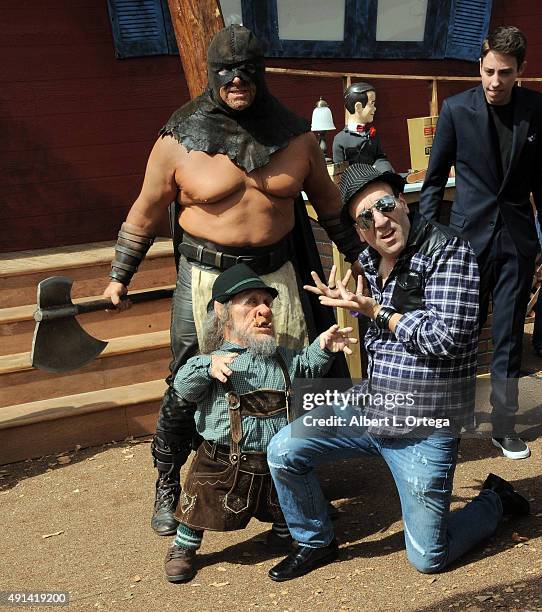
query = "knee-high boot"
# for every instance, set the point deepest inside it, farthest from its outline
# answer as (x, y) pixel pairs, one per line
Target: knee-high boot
(169, 456)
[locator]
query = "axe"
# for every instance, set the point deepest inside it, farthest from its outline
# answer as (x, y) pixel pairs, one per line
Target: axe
(60, 344)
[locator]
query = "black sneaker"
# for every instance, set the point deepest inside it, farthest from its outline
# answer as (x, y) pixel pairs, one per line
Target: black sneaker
(513, 504)
(512, 447)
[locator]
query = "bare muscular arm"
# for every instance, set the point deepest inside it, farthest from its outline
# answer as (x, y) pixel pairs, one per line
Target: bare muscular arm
(159, 187)
(158, 191)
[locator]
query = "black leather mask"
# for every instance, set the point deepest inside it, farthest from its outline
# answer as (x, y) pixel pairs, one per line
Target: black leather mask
(235, 51)
(249, 136)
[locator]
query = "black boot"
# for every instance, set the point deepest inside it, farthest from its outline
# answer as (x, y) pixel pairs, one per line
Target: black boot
(513, 504)
(168, 461)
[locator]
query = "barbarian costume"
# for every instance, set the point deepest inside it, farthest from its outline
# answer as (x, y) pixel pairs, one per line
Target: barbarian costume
(248, 137)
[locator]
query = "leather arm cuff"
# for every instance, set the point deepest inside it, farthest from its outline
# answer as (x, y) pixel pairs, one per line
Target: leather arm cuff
(130, 251)
(383, 317)
(344, 237)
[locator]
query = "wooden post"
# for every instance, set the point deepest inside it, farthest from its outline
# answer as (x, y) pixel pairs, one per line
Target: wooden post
(433, 106)
(195, 23)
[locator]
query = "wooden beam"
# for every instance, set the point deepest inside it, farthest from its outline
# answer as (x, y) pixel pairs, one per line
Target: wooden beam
(433, 105)
(195, 22)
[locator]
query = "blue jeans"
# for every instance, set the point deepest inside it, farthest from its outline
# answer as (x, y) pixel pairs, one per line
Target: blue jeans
(423, 470)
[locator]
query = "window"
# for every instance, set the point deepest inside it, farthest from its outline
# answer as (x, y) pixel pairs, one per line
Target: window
(387, 29)
(373, 29)
(143, 27)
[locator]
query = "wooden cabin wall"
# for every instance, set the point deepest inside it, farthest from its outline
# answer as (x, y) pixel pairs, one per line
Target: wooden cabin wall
(77, 124)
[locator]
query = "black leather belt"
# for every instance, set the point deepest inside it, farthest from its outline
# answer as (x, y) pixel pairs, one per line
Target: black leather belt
(252, 462)
(263, 263)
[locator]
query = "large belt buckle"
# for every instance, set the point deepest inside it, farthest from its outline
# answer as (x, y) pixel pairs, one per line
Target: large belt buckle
(244, 259)
(233, 400)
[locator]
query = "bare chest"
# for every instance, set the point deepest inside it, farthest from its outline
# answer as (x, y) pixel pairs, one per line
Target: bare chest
(209, 179)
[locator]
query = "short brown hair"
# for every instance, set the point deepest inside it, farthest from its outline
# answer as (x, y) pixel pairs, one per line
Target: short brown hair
(507, 40)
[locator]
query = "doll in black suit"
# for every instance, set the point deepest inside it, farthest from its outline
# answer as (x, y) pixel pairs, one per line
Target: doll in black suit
(358, 142)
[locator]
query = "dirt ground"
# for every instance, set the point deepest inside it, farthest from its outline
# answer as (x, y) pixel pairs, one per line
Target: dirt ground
(79, 522)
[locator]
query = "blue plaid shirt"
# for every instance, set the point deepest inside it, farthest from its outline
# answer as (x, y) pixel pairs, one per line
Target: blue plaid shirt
(432, 353)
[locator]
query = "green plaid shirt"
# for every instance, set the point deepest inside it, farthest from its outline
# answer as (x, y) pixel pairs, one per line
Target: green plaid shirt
(193, 383)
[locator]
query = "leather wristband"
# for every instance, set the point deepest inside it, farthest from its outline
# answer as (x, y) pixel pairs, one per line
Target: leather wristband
(383, 317)
(130, 250)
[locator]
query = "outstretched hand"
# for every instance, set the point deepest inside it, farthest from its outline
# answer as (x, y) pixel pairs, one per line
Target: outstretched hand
(335, 339)
(219, 368)
(331, 289)
(357, 302)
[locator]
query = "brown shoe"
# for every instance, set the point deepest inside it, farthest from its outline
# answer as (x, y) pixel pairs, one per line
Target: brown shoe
(180, 564)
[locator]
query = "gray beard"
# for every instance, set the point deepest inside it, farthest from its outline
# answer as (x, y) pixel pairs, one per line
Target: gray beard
(259, 346)
(213, 336)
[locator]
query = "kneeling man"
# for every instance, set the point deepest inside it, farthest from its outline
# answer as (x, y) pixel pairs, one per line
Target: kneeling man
(422, 305)
(241, 386)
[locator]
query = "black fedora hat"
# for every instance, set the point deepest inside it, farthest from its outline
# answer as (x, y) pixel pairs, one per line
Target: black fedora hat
(357, 176)
(235, 280)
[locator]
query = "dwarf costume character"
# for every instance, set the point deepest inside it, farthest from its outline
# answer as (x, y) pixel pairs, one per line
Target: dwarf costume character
(248, 137)
(228, 481)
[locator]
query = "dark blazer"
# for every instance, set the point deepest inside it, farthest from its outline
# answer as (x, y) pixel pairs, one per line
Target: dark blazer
(463, 139)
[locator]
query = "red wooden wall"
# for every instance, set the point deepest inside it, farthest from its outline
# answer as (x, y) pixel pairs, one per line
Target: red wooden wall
(77, 124)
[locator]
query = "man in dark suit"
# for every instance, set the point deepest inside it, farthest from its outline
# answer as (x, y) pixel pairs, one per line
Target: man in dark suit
(493, 136)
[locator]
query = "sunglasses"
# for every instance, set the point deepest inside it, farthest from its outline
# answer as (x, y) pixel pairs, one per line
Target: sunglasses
(365, 218)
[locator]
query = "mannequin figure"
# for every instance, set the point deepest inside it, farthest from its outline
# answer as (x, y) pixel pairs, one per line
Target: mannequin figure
(359, 142)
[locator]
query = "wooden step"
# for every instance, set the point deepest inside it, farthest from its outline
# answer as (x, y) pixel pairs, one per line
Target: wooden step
(17, 323)
(129, 359)
(87, 264)
(86, 419)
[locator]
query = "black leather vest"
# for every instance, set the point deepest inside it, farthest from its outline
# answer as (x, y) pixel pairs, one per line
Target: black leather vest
(425, 237)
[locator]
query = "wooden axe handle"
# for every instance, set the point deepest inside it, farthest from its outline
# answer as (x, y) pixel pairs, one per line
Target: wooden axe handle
(72, 310)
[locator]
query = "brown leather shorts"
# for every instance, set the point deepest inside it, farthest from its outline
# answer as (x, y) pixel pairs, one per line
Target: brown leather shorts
(222, 496)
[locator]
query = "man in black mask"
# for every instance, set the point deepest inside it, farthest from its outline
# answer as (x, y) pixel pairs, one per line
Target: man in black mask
(234, 161)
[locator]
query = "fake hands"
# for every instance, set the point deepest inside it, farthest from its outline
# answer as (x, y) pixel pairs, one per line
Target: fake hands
(331, 289)
(335, 339)
(336, 295)
(219, 367)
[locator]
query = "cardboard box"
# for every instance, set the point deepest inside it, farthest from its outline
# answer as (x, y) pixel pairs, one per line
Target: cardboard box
(421, 131)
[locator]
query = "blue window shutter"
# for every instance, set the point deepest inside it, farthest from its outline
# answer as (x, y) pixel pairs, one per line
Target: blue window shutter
(469, 22)
(170, 33)
(138, 27)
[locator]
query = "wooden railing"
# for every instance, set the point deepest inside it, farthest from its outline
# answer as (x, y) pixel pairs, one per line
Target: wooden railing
(348, 76)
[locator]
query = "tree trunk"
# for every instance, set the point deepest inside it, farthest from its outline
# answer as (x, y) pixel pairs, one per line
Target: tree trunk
(195, 23)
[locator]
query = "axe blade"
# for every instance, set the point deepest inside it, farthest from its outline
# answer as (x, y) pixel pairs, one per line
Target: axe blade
(62, 345)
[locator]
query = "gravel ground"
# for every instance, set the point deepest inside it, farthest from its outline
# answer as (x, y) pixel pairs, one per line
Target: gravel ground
(79, 522)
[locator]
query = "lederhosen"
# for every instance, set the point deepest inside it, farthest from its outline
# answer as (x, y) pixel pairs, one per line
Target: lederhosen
(225, 486)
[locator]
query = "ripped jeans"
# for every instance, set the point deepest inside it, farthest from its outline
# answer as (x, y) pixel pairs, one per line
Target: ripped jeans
(423, 470)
